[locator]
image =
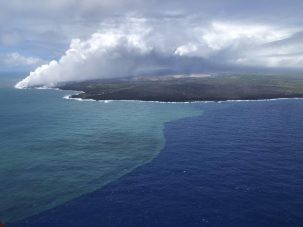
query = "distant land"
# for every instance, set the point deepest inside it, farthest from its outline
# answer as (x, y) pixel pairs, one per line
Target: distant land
(192, 88)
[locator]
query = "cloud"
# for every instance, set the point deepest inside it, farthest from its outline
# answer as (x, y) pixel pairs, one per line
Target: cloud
(132, 46)
(46, 28)
(33, 20)
(17, 60)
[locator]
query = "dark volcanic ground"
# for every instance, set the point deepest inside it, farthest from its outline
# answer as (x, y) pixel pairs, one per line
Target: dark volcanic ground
(206, 88)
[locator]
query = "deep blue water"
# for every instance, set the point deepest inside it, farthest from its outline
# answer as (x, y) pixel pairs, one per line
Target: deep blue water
(238, 164)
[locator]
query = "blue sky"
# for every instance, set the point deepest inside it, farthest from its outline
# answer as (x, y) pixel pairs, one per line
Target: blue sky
(215, 35)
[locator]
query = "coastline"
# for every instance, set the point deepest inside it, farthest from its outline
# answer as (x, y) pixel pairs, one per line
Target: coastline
(190, 90)
(70, 97)
(223, 88)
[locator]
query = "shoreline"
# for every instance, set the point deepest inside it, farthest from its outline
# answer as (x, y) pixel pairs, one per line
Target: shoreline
(78, 92)
(69, 97)
(229, 88)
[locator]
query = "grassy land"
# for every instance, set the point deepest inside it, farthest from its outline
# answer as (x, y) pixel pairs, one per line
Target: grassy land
(212, 88)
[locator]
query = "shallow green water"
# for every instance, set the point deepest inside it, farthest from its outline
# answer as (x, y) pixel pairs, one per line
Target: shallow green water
(53, 150)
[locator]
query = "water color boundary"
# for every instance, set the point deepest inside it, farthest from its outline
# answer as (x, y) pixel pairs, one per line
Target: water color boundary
(155, 129)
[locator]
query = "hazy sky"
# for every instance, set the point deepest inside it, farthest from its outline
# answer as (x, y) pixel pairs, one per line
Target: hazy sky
(151, 36)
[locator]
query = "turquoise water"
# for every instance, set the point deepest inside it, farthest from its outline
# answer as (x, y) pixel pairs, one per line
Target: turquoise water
(53, 150)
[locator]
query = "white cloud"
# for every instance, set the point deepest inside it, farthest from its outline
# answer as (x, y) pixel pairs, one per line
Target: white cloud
(17, 60)
(137, 45)
(221, 35)
(110, 53)
(186, 49)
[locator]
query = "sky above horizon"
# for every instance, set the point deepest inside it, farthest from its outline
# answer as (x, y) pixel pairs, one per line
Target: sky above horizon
(170, 36)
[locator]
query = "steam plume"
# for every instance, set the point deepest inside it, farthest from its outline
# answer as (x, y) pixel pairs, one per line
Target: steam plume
(138, 46)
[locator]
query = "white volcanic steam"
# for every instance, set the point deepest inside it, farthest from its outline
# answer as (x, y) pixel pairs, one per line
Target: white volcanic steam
(141, 47)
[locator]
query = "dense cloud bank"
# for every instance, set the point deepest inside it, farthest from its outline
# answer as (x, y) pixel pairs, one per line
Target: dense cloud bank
(139, 46)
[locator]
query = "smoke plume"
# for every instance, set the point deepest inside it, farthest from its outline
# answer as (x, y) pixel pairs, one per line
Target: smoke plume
(138, 46)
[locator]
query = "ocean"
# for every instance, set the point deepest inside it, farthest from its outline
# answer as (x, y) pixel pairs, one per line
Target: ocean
(71, 163)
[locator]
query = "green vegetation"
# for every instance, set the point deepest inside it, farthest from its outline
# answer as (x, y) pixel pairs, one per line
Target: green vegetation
(209, 88)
